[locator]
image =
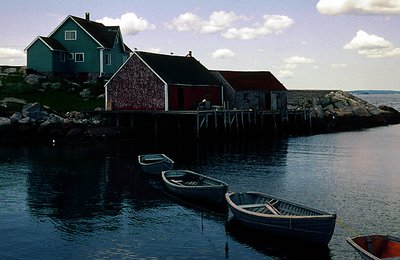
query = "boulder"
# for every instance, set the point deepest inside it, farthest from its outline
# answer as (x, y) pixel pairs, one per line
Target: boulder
(4, 121)
(31, 108)
(32, 79)
(5, 125)
(16, 117)
(85, 93)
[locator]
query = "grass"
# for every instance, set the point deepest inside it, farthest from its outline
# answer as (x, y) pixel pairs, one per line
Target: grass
(59, 100)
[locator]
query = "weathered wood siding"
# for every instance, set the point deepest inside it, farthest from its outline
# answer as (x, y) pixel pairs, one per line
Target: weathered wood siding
(135, 87)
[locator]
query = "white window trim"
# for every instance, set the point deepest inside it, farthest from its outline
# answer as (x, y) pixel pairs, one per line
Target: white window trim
(68, 32)
(70, 56)
(109, 59)
(79, 53)
(62, 56)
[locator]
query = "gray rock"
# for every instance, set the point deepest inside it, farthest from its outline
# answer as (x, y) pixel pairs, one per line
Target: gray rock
(361, 112)
(5, 124)
(5, 121)
(56, 86)
(31, 108)
(85, 93)
(55, 119)
(25, 121)
(16, 117)
(32, 79)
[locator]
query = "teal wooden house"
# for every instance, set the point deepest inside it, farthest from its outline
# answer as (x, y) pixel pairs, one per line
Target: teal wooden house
(80, 49)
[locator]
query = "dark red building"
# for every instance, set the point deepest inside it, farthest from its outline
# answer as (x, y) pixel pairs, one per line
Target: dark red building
(258, 90)
(149, 81)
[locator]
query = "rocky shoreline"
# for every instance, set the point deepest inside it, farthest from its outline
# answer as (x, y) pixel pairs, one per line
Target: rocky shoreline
(330, 111)
(338, 110)
(36, 123)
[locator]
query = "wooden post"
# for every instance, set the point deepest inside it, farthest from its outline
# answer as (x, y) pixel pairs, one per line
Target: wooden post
(215, 120)
(198, 124)
(242, 118)
(237, 121)
(118, 120)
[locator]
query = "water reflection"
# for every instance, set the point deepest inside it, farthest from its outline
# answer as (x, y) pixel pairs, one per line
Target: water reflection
(81, 196)
(275, 247)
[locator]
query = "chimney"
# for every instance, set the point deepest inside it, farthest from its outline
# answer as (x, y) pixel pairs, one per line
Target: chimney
(87, 16)
(189, 54)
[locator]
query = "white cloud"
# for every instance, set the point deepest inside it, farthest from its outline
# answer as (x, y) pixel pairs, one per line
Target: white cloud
(372, 46)
(298, 60)
(216, 22)
(291, 64)
(285, 74)
(11, 53)
(223, 53)
(339, 65)
(271, 24)
(337, 7)
(129, 23)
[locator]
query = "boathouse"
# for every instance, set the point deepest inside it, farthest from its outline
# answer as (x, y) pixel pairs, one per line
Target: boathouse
(150, 81)
(257, 90)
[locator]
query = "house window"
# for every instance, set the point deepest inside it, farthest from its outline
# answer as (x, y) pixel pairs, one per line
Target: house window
(79, 57)
(108, 59)
(70, 35)
(62, 56)
(117, 40)
(70, 56)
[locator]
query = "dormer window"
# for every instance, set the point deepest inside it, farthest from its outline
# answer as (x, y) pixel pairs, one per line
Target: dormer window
(116, 40)
(70, 35)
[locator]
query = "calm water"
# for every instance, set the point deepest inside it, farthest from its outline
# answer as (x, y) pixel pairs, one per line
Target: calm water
(90, 201)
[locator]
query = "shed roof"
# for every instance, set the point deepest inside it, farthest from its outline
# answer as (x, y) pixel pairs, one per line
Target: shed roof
(53, 43)
(252, 80)
(179, 70)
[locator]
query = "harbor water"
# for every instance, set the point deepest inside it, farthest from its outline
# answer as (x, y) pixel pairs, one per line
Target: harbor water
(91, 201)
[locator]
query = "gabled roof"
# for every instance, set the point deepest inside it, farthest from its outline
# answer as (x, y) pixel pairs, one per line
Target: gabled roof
(51, 43)
(252, 80)
(103, 35)
(178, 70)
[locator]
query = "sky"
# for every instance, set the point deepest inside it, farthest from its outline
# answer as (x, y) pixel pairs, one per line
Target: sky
(306, 44)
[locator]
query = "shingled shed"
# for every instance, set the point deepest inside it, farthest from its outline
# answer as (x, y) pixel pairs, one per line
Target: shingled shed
(258, 90)
(150, 81)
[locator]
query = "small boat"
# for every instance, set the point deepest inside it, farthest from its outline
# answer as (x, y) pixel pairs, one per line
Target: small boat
(155, 163)
(195, 186)
(376, 246)
(280, 217)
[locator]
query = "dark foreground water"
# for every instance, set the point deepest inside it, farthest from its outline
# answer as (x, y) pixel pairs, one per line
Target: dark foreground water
(90, 201)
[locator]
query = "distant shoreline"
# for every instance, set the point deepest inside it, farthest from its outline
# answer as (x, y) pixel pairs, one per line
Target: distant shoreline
(372, 92)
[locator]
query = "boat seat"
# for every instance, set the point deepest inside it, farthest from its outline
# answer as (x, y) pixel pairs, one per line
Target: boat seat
(248, 206)
(177, 182)
(272, 209)
(268, 206)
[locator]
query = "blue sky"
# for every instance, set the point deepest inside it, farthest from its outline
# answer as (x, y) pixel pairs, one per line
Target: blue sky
(306, 44)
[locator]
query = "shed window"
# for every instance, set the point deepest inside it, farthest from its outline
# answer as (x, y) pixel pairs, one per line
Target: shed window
(70, 35)
(108, 59)
(70, 56)
(79, 57)
(62, 56)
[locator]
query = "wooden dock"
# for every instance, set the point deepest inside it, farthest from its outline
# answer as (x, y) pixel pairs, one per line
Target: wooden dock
(208, 122)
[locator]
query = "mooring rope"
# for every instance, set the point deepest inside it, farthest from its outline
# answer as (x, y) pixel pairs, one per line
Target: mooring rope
(351, 231)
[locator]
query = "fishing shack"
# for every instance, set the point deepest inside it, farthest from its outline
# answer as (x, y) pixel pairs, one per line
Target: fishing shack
(150, 81)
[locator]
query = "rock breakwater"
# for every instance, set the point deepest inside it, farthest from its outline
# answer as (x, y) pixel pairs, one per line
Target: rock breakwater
(340, 110)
